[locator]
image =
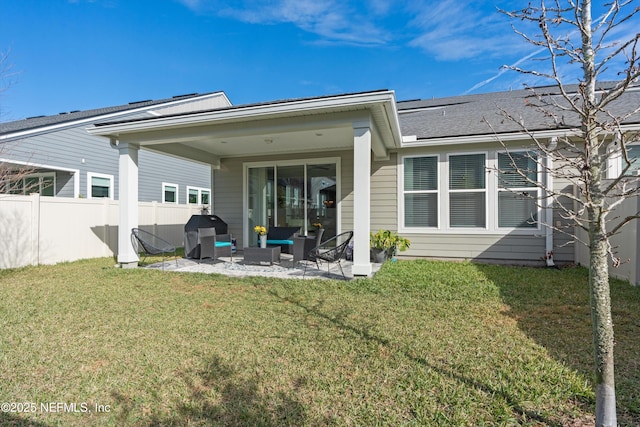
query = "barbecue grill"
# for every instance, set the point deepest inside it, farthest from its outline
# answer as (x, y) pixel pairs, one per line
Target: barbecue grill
(191, 245)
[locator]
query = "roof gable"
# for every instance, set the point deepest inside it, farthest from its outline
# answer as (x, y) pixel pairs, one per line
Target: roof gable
(157, 107)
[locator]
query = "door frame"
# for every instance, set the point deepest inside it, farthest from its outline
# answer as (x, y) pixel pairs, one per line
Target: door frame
(295, 162)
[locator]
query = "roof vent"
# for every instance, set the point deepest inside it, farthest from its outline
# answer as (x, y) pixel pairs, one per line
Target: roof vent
(182, 96)
(140, 102)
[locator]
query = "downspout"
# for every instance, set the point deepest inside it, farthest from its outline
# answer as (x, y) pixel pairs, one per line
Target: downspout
(548, 203)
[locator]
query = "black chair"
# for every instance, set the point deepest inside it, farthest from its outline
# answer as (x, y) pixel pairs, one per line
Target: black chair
(214, 245)
(283, 237)
(329, 251)
(151, 244)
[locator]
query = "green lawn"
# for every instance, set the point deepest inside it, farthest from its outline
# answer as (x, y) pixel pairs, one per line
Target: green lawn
(422, 343)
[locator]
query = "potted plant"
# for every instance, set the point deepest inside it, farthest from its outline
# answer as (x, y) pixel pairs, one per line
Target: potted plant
(385, 244)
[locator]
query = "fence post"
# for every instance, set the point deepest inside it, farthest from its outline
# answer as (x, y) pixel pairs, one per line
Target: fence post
(35, 228)
(154, 217)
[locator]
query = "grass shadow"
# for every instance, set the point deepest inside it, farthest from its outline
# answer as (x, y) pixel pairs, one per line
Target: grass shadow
(551, 306)
(520, 412)
(10, 420)
(221, 395)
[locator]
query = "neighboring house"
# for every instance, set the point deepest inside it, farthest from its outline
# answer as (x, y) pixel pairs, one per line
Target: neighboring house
(63, 160)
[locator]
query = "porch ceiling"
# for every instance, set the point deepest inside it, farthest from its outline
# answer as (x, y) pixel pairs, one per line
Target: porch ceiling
(319, 124)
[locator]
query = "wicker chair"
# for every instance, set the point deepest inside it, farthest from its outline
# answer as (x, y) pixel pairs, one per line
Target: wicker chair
(214, 245)
(151, 245)
(330, 251)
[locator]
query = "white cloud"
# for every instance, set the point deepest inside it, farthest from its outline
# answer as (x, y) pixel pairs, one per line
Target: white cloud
(454, 30)
(332, 20)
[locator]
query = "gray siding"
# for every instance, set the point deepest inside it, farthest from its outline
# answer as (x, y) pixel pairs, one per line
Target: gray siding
(520, 248)
(74, 148)
(513, 247)
(384, 194)
(156, 168)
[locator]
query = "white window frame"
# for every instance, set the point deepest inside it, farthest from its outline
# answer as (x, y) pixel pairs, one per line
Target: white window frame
(164, 187)
(402, 193)
(200, 190)
(447, 191)
(535, 189)
(491, 192)
(91, 175)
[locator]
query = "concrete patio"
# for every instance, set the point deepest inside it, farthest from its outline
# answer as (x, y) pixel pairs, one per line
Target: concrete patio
(237, 267)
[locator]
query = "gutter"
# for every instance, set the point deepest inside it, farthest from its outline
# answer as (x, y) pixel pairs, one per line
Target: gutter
(548, 205)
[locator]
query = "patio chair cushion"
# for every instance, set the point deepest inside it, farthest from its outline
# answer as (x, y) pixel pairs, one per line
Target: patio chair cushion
(279, 242)
(283, 237)
(222, 244)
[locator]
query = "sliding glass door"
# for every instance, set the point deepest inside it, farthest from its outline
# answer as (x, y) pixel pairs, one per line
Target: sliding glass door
(292, 195)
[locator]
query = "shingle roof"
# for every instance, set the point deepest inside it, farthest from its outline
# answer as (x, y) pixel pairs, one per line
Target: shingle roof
(43, 121)
(468, 115)
(245, 106)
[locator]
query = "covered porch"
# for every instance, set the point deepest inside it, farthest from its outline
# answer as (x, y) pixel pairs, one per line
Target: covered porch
(287, 163)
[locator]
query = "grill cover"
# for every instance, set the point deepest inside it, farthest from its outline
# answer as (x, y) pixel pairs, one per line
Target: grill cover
(191, 245)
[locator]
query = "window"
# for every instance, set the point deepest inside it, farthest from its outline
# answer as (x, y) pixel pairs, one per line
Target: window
(169, 193)
(633, 154)
(99, 186)
(517, 194)
(470, 193)
(42, 183)
(198, 195)
(467, 191)
(616, 162)
(421, 191)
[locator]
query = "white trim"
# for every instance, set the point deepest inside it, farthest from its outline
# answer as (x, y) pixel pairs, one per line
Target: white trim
(615, 159)
(447, 192)
(101, 117)
(200, 190)
(491, 202)
(169, 184)
(475, 139)
(536, 189)
(400, 165)
(296, 162)
(100, 175)
(339, 104)
(74, 172)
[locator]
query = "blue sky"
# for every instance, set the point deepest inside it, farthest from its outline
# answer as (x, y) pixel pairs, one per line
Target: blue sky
(79, 54)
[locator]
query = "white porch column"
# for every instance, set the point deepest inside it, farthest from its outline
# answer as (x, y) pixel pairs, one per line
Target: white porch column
(128, 200)
(361, 200)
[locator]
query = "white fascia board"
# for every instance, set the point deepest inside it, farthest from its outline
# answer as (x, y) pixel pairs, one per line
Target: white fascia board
(247, 112)
(412, 141)
(88, 120)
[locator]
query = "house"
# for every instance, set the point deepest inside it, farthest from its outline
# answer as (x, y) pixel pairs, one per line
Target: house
(363, 161)
(60, 158)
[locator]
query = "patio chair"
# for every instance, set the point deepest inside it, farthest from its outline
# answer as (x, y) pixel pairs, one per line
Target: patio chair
(283, 237)
(214, 245)
(330, 251)
(151, 244)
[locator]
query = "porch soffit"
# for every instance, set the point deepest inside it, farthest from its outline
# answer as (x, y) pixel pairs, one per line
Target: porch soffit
(266, 132)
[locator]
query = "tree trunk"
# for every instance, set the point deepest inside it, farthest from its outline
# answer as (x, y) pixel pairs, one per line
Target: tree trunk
(602, 327)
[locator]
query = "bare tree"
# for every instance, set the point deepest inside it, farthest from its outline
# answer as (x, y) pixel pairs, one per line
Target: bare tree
(594, 123)
(14, 178)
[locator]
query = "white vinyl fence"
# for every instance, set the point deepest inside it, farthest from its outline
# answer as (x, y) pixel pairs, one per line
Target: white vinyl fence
(47, 230)
(625, 244)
